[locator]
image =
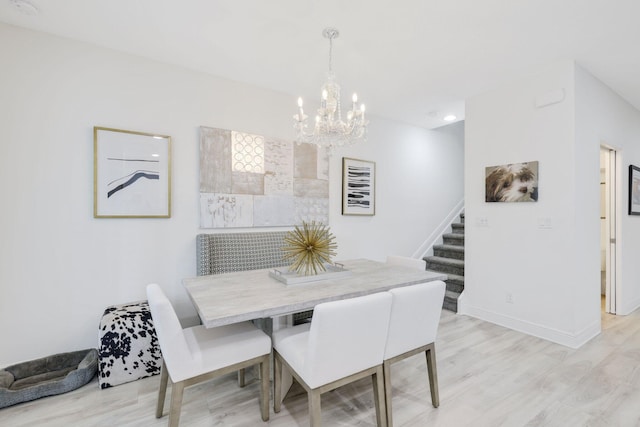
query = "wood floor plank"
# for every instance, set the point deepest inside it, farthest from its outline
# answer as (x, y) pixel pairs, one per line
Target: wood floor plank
(488, 376)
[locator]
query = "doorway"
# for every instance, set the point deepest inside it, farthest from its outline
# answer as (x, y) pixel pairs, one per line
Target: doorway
(608, 228)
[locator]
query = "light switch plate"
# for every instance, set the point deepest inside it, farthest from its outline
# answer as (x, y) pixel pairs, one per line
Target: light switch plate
(544, 222)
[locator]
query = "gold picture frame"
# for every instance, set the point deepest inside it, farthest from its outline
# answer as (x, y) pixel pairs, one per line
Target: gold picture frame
(131, 174)
(358, 187)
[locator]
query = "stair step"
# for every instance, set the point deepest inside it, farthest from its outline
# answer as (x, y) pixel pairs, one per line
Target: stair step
(449, 251)
(455, 283)
(451, 301)
(455, 239)
(445, 265)
(457, 228)
(449, 259)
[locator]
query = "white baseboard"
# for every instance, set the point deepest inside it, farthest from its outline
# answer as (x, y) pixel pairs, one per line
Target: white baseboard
(559, 337)
(629, 308)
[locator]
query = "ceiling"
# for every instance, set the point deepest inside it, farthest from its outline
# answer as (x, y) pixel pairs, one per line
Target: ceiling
(414, 61)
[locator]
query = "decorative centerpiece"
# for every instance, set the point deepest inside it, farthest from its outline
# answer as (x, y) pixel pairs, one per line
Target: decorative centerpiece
(310, 248)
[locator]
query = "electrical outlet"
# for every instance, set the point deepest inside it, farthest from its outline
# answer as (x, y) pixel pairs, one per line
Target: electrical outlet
(509, 298)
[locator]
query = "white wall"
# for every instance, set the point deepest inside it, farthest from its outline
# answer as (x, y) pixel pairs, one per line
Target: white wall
(603, 117)
(418, 185)
(553, 275)
(60, 267)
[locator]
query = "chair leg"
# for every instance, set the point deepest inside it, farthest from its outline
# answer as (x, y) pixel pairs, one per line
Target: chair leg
(241, 377)
(177, 390)
(386, 368)
(433, 375)
(314, 408)
(164, 377)
(379, 396)
(277, 382)
(264, 389)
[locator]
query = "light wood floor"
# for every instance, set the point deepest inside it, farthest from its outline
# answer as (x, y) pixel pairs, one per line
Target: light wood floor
(489, 376)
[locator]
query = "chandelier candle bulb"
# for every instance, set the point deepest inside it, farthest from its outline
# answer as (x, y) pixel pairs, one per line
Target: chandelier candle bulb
(300, 111)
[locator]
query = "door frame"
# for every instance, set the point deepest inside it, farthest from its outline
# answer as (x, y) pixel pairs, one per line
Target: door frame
(612, 230)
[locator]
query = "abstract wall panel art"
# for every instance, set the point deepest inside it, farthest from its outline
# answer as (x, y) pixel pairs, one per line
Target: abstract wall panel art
(249, 180)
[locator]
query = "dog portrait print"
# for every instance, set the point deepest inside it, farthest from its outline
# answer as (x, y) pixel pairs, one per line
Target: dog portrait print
(516, 182)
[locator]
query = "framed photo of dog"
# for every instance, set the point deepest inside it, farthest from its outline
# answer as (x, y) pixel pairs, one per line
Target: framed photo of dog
(515, 182)
(634, 190)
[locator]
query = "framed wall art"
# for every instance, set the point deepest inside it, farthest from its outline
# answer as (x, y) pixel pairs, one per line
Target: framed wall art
(634, 190)
(131, 174)
(358, 187)
(515, 182)
(253, 180)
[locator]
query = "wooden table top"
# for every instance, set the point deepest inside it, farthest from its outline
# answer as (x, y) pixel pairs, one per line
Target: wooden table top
(222, 299)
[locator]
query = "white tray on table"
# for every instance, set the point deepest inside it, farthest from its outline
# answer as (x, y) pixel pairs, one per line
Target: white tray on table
(333, 271)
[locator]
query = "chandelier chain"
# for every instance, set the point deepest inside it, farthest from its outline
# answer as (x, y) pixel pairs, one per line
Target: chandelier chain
(330, 54)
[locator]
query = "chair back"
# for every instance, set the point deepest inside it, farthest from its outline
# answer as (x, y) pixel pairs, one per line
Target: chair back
(419, 264)
(415, 315)
(173, 343)
(346, 337)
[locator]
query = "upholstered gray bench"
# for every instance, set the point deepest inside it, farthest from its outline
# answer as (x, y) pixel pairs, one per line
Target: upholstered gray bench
(227, 252)
(47, 376)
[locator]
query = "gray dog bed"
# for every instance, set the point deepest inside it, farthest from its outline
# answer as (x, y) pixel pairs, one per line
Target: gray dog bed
(47, 376)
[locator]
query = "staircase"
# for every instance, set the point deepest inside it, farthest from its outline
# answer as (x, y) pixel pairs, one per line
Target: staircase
(448, 258)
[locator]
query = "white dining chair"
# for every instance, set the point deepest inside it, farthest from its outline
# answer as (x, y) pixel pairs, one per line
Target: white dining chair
(198, 354)
(344, 343)
(403, 261)
(413, 327)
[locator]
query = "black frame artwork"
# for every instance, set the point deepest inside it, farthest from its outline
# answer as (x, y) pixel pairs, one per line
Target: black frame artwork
(358, 187)
(634, 190)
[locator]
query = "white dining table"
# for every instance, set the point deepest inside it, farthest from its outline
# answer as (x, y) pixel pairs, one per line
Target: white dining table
(222, 299)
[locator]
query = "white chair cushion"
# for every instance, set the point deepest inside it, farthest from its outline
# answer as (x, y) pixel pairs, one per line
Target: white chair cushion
(415, 315)
(215, 348)
(284, 333)
(295, 350)
(293, 347)
(345, 337)
(173, 345)
(193, 351)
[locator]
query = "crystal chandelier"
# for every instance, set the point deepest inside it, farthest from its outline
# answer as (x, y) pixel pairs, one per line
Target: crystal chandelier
(330, 130)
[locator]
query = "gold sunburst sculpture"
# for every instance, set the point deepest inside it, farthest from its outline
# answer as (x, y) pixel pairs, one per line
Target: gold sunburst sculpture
(309, 247)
